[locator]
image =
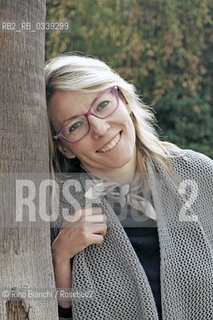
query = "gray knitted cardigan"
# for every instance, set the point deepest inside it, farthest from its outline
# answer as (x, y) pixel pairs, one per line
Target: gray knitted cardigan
(108, 281)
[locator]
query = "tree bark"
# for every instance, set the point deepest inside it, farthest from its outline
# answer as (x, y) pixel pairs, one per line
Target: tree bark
(25, 256)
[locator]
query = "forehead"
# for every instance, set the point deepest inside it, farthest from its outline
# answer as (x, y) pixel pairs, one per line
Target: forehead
(66, 104)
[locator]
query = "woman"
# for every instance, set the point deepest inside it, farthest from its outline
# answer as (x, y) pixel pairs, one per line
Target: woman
(144, 251)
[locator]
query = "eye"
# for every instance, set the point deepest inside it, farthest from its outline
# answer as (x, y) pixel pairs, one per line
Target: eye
(75, 126)
(102, 105)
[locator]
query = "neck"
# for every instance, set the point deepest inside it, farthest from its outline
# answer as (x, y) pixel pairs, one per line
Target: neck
(125, 177)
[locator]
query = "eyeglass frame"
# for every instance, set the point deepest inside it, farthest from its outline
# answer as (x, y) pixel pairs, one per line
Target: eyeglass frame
(60, 136)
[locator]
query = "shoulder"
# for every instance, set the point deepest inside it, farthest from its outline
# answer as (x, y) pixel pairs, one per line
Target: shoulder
(192, 162)
(194, 169)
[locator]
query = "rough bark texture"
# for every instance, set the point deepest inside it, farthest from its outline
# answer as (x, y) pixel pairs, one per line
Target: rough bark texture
(25, 257)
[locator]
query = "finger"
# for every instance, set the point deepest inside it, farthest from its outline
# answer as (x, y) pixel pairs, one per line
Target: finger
(90, 228)
(77, 215)
(97, 218)
(88, 205)
(101, 233)
(96, 239)
(91, 211)
(98, 228)
(85, 212)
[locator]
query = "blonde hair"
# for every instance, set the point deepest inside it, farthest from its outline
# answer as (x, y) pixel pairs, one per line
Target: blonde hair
(86, 74)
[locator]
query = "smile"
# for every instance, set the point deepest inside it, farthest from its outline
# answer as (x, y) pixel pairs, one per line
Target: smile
(112, 144)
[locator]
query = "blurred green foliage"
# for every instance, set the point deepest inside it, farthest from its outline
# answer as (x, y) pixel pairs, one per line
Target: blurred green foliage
(186, 120)
(164, 47)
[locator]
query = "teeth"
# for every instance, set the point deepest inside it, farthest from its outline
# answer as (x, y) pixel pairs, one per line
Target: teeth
(112, 144)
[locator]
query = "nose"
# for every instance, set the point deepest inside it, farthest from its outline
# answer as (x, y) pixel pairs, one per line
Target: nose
(98, 127)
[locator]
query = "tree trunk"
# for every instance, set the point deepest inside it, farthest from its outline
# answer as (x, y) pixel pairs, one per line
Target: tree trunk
(26, 270)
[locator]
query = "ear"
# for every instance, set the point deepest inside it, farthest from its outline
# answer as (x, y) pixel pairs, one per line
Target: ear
(66, 152)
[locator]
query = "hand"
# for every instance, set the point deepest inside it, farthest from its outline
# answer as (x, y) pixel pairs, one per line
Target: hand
(85, 227)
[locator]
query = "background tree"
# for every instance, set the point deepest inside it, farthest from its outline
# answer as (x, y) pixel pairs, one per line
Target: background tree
(162, 46)
(25, 258)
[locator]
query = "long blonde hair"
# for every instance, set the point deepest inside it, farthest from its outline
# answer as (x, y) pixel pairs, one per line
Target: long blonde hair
(86, 74)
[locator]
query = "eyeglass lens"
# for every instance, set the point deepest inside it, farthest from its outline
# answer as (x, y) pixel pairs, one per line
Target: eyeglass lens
(102, 108)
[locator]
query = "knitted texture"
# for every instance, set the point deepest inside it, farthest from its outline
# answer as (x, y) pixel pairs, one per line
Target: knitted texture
(112, 272)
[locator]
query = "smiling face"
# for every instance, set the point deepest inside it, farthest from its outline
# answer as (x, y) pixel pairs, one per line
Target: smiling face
(109, 147)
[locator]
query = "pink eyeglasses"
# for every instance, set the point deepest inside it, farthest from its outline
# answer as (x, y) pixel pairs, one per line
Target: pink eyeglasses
(78, 127)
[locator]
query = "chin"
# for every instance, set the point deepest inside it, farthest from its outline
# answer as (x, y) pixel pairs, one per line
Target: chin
(120, 162)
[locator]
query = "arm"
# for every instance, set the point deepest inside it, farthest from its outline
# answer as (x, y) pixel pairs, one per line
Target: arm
(62, 272)
(85, 227)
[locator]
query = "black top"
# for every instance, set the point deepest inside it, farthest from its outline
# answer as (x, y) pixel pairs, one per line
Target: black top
(144, 240)
(146, 245)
